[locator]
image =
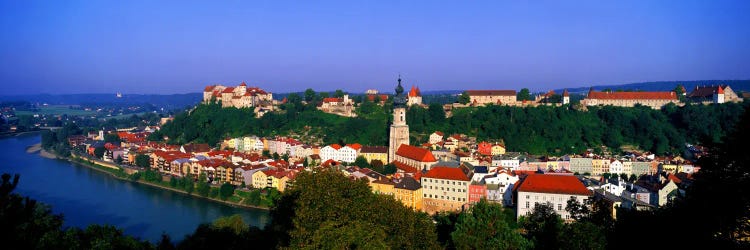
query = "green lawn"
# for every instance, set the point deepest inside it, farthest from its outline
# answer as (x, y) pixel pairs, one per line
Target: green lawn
(56, 110)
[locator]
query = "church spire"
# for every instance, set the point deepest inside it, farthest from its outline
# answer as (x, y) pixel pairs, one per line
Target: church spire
(399, 88)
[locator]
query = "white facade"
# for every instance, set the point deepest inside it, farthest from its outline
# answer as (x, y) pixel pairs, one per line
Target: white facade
(347, 154)
(512, 163)
(528, 200)
(435, 138)
(328, 153)
(615, 167)
(505, 183)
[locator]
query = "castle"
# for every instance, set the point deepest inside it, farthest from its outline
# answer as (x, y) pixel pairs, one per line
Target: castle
(240, 96)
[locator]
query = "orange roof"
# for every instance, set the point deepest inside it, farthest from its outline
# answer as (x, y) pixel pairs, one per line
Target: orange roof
(383, 97)
(720, 90)
(209, 88)
(228, 90)
(333, 99)
(415, 153)
(632, 95)
(336, 146)
(448, 173)
(439, 133)
(557, 184)
(414, 92)
(355, 146)
(565, 92)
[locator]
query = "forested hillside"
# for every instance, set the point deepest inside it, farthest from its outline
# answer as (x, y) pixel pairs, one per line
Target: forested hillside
(540, 130)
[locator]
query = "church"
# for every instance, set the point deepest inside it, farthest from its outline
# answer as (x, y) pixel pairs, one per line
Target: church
(407, 158)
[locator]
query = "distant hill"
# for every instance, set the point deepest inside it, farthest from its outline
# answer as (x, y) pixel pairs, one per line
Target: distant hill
(737, 86)
(168, 102)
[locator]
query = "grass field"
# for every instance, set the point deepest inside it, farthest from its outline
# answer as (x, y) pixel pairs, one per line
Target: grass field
(56, 110)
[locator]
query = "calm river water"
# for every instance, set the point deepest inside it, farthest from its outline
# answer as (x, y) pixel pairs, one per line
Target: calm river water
(86, 196)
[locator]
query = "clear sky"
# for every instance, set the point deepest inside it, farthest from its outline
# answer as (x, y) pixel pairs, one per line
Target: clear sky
(181, 46)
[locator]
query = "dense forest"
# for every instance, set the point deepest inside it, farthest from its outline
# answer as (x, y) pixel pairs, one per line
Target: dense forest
(537, 130)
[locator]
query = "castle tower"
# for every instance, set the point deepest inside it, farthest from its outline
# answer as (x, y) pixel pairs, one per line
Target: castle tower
(399, 130)
(565, 97)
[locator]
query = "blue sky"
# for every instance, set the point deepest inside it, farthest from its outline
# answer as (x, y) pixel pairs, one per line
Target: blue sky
(181, 46)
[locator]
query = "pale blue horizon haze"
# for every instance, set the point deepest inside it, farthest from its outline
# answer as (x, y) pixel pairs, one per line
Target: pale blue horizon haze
(166, 47)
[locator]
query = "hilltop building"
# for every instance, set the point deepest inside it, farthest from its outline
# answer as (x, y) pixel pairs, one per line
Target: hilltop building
(240, 96)
(399, 133)
(497, 97)
(339, 106)
(654, 100)
(713, 94)
(415, 97)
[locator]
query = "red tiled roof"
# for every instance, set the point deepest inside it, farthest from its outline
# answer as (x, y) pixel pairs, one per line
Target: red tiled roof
(415, 153)
(448, 173)
(491, 92)
(632, 95)
(333, 99)
(565, 92)
(439, 133)
(557, 184)
(404, 167)
(414, 92)
(336, 146)
(228, 90)
(383, 97)
(243, 84)
(355, 146)
(209, 88)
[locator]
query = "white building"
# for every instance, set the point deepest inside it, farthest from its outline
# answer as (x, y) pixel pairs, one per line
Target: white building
(436, 137)
(551, 189)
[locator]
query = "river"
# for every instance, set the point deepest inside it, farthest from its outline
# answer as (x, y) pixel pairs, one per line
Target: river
(85, 196)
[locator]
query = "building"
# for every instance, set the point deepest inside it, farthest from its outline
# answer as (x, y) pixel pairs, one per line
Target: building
(654, 100)
(414, 97)
(399, 134)
(417, 158)
(339, 106)
(581, 165)
(565, 97)
(436, 137)
(713, 94)
(409, 192)
(445, 189)
(555, 190)
(239, 97)
(372, 153)
(497, 97)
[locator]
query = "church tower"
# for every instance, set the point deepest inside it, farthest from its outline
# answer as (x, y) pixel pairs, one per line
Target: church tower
(399, 130)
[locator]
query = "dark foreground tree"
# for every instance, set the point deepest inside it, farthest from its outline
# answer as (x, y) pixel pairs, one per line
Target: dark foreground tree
(485, 226)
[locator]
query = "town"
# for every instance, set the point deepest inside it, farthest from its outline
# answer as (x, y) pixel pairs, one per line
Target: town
(447, 173)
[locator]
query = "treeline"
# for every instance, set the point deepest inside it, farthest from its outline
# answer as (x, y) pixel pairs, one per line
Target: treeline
(562, 130)
(537, 130)
(210, 123)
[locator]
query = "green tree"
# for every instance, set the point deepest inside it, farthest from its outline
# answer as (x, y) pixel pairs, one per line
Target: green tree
(226, 190)
(203, 188)
(112, 138)
(582, 235)
(543, 226)
(234, 222)
(326, 200)
(310, 95)
(361, 161)
(253, 198)
(338, 93)
(188, 184)
(142, 160)
(464, 98)
(99, 152)
(484, 226)
(523, 95)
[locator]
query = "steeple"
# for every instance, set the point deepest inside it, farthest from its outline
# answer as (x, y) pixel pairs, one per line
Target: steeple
(399, 88)
(399, 100)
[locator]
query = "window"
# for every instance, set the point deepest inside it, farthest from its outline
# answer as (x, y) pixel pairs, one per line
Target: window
(559, 207)
(527, 204)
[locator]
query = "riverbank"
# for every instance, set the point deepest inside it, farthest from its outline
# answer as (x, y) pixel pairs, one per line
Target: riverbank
(121, 175)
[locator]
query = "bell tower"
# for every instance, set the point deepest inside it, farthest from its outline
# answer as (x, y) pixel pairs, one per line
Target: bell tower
(399, 133)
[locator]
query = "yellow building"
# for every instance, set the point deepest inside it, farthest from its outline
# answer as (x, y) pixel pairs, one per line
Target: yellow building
(372, 153)
(409, 192)
(382, 186)
(599, 166)
(670, 168)
(230, 143)
(498, 149)
(260, 179)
